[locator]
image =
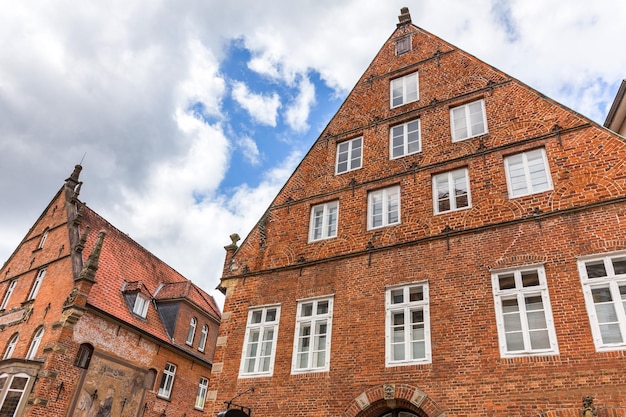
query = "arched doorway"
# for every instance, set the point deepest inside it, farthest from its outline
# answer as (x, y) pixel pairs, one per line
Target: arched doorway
(399, 413)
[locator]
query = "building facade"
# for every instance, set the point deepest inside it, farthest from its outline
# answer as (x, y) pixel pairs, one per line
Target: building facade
(94, 325)
(452, 244)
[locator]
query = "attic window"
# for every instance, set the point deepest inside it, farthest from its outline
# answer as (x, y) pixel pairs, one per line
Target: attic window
(403, 44)
(140, 307)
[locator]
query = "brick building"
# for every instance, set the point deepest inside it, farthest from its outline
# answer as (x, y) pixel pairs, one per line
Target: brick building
(92, 324)
(453, 243)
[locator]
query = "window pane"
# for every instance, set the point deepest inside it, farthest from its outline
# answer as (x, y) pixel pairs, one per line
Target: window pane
(416, 293)
(256, 317)
(271, 315)
(611, 333)
(398, 352)
(418, 350)
(539, 339)
(397, 296)
(595, 269)
(514, 341)
(307, 309)
(322, 307)
(530, 278)
(506, 281)
(619, 265)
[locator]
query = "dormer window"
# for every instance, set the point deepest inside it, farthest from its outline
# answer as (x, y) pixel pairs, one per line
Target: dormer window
(192, 331)
(140, 307)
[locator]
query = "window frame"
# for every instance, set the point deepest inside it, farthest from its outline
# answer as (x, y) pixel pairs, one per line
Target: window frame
(452, 196)
(466, 118)
(203, 336)
(326, 216)
(42, 241)
(203, 387)
(10, 347)
(6, 388)
(520, 293)
(141, 309)
(191, 333)
(312, 320)
(405, 139)
(261, 328)
(37, 284)
(8, 293)
(614, 282)
(349, 161)
(167, 381)
(405, 83)
(384, 192)
(406, 308)
(530, 188)
(404, 44)
(34, 344)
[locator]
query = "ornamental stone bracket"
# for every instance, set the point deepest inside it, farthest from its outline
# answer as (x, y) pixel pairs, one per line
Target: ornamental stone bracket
(393, 394)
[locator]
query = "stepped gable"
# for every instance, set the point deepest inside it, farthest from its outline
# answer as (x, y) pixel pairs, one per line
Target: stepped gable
(518, 118)
(126, 265)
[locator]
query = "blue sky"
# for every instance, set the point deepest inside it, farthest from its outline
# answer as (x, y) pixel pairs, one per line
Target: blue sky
(191, 116)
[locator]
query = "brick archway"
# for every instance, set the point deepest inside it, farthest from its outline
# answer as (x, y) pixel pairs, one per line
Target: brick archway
(378, 400)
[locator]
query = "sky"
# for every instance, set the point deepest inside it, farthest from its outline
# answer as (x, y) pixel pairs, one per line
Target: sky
(189, 116)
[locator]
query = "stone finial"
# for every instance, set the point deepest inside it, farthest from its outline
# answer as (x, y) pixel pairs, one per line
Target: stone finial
(72, 181)
(405, 16)
(233, 245)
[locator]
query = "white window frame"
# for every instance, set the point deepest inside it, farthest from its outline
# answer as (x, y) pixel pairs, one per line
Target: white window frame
(7, 295)
(203, 386)
(464, 110)
(386, 197)
(140, 307)
(345, 155)
(34, 344)
(203, 337)
(325, 220)
(405, 307)
(529, 173)
(4, 391)
(167, 381)
(612, 281)
(520, 294)
(401, 88)
(191, 333)
(42, 241)
(318, 340)
(408, 138)
(11, 346)
(450, 178)
(37, 284)
(254, 349)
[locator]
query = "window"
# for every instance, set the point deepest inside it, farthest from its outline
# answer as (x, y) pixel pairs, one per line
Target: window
(167, 381)
(12, 393)
(312, 336)
(349, 155)
(43, 239)
(404, 90)
(7, 295)
(259, 346)
(451, 191)
(37, 284)
(11, 346)
(203, 385)
(604, 286)
(140, 307)
(405, 139)
(403, 45)
(468, 120)
(383, 207)
(203, 336)
(527, 173)
(83, 357)
(323, 221)
(407, 329)
(192, 331)
(523, 314)
(34, 345)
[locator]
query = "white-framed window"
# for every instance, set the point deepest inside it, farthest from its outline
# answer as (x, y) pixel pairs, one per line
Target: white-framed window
(407, 328)
(259, 346)
(37, 284)
(203, 335)
(523, 312)
(203, 386)
(12, 388)
(140, 307)
(192, 331)
(323, 224)
(383, 207)
(603, 280)
(42, 241)
(349, 155)
(311, 350)
(404, 90)
(167, 381)
(451, 191)
(468, 120)
(34, 344)
(7, 294)
(405, 139)
(11, 346)
(527, 173)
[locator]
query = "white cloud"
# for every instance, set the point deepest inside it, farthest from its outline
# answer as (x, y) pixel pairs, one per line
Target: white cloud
(263, 108)
(250, 150)
(297, 113)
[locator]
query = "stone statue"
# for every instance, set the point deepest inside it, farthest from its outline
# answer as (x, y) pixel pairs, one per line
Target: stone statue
(589, 410)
